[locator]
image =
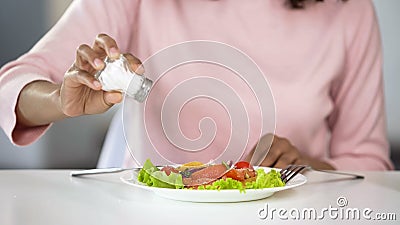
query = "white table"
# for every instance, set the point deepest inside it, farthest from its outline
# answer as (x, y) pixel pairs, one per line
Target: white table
(53, 197)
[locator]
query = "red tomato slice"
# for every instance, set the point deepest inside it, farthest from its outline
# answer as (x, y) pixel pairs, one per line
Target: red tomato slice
(235, 174)
(169, 169)
(243, 165)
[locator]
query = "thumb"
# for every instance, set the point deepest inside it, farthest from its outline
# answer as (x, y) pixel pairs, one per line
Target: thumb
(111, 98)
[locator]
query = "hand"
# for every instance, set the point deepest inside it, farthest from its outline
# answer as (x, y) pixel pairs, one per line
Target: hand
(42, 102)
(282, 153)
(80, 92)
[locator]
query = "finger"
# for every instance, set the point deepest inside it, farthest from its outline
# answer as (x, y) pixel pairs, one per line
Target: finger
(272, 157)
(258, 153)
(285, 160)
(111, 98)
(86, 56)
(249, 156)
(274, 152)
(135, 64)
(76, 78)
(107, 44)
(289, 153)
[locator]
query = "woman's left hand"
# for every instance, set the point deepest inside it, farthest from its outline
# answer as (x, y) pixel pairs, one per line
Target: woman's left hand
(283, 153)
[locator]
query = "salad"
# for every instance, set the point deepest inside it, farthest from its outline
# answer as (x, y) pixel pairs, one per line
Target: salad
(199, 176)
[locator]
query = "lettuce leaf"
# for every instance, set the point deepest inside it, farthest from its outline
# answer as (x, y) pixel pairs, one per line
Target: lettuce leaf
(221, 184)
(266, 180)
(154, 177)
(263, 180)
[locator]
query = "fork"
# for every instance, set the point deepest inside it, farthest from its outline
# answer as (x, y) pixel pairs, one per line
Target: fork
(291, 171)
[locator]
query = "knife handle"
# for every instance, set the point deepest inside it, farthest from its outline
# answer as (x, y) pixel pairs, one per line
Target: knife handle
(95, 171)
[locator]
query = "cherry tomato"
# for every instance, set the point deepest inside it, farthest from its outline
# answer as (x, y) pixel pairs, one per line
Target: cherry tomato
(241, 174)
(243, 165)
(235, 174)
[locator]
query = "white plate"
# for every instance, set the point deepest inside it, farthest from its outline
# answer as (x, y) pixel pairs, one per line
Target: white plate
(213, 195)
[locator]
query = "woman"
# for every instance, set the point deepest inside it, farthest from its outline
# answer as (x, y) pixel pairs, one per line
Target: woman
(323, 63)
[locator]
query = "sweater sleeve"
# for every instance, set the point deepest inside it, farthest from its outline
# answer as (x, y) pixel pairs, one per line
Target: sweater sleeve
(50, 58)
(358, 123)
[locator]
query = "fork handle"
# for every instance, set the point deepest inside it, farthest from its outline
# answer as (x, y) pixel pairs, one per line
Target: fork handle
(356, 176)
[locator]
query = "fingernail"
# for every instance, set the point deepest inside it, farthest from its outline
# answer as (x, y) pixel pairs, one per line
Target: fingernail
(140, 70)
(98, 63)
(96, 84)
(114, 52)
(116, 97)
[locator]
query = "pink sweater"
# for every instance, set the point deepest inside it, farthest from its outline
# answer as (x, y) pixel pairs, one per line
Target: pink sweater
(324, 64)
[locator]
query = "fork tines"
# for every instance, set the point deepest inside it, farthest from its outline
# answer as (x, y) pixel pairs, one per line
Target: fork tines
(291, 171)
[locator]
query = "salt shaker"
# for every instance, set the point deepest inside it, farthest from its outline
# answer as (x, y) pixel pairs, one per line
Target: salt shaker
(117, 76)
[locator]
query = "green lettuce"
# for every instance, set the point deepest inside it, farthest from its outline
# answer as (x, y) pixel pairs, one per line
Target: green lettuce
(266, 180)
(154, 177)
(221, 184)
(263, 180)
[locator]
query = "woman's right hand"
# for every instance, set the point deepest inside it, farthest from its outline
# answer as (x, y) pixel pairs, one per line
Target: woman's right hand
(41, 102)
(80, 92)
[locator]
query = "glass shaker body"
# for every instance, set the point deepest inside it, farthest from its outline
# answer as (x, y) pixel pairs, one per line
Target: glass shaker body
(117, 76)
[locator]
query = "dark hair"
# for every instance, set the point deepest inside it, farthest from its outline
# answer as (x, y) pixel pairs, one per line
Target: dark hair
(299, 4)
